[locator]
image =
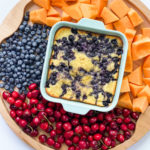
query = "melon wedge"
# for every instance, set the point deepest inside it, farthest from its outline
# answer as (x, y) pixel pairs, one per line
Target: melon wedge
(53, 12)
(135, 17)
(138, 37)
(109, 26)
(58, 3)
(136, 76)
(146, 32)
(146, 72)
(65, 17)
(146, 81)
(43, 3)
(108, 16)
(119, 8)
(125, 101)
(141, 48)
(130, 34)
(85, 1)
(123, 24)
(140, 104)
(125, 85)
(146, 62)
(50, 21)
(135, 89)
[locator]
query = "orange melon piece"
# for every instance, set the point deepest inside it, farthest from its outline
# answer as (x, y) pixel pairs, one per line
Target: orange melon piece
(38, 16)
(119, 8)
(100, 4)
(109, 26)
(85, 1)
(70, 0)
(108, 16)
(43, 3)
(89, 11)
(73, 11)
(135, 89)
(146, 72)
(140, 104)
(136, 76)
(123, 24)
(146, 81)
(147, 62)
(146, 32)
(130, 33)
(125, 85)
(129, 61)
(141, 48)
(138, 37)
(125, 101)
(134, 17)
(145, 92)
(50, 21)
(65, 17)
(58, 3)
(53, 12)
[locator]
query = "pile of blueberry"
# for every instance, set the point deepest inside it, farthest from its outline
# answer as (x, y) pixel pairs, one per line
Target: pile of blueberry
(22, 56)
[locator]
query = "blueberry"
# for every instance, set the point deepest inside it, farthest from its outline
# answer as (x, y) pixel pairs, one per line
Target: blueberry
(105, 103)
(1, 85)
(84, 97)
(74, 31)
(71, 38)
(78, 94)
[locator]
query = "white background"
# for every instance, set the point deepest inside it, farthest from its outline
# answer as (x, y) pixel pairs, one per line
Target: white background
(8, 140)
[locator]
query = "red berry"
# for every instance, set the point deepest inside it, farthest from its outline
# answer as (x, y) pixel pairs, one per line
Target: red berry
(24, 105)
(78, 129)
(27, 113)
(59, 125)
(113, 143)
(51, 104)
(35, 93)
(113, 134)
(82, 144)
(29, 95)
(135, 115)
(102, 127)
(71, 148)
(57, 145)
(127, 135)
(67, 126)
(108, 117)
(95, 127)
(68, 134)
(57, 114)
(53, 133)
(107, 141)
(49, 129)
(50, 142)
(36, 121)
(93, 144)
(42, 138)
(49, 111)
(104, 147)
(34, 110)
(44, 125)
(75, 139)
(17, 119)
(6, 95)
(62, 111)
(51, 119)
(60, 139)
(59, 131)
(84, 120)
(131, 126)
(120, 138)
(15, 94)
(86, 129)
(22, 97)
(22, 123)
(13, 114)
(93, 120)
(97, 136)
(126, 112)
(19, 113)
(90, 138)
(123, 127)
(113, 125)
(119, 120)
(10, 100)
(65, 118)
(118, 111)
(32, 86)
(75, 121)
(127, 120)
(68, 142)
(40, 107)
(18, 103)
(42, 115)
(100, 116)
(34, 133)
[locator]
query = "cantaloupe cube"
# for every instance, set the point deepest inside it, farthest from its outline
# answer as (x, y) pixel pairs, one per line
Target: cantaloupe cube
(130, 34)
(146, 72)
(141, 48)
(129, 61)
(109, 26)
(89, 11)
(123, 24)
(146, 81)
(50, 21)
(125, 101)
(135, 89)
(43, 3)
(58, 3)
(119, 8)
(147, 62)
(145, 92)
(53, 12)
(85, 1)
(138, 37)
(146, 32)
(108, 16)
(140, 104)
(38, 16)
(136, 76)
(135, 18)
(65, 17)
(73, 11)
(125, 85)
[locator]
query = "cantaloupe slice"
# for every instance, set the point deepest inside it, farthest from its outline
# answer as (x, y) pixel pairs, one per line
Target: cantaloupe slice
(53, 12)
(65, 17)
(123, 24)
(38, 16)
(43, 3)
(146, 63)
(85, 1)
(146, 81)
(125, 85)
(89, 11)
(146, 32)
(100, 4)
(136, 76)
(73, 11)
(109, 26)
(138, 37)
(50, 21)
(135, 18)
(140, 104)
(58, 3)
(129, 61)
(141, 48)
(108, 16)
(135, 89)
(125, 101)
(130, 34)
(146, 72)
(145, 92)
(119, 8)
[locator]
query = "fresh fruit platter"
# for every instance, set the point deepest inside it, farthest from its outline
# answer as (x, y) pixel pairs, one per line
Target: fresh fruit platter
(46, 125)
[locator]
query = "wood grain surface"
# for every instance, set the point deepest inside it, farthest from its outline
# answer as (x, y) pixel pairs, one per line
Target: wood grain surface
(11, 24)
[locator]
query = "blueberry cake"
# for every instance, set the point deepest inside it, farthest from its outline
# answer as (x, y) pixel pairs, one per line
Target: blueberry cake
(84, 66)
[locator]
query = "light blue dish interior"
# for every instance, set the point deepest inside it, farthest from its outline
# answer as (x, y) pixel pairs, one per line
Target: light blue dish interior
(92, 26)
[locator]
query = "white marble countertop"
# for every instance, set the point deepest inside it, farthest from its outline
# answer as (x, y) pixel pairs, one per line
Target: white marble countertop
(8, 140)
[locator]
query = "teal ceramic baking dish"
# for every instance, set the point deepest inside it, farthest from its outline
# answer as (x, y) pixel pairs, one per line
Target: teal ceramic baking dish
(91, 26)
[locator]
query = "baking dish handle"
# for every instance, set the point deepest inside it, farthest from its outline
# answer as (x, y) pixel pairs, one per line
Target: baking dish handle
(91, 23)
(73, 109)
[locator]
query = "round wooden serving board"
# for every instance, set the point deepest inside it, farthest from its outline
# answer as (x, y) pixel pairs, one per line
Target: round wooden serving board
(11, 24)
